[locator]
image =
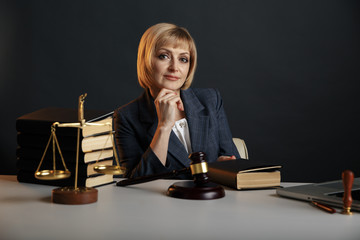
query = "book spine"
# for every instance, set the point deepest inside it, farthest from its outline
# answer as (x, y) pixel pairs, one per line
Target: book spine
(222, 177)
(98, 155)
(93, 130)
(90, 144)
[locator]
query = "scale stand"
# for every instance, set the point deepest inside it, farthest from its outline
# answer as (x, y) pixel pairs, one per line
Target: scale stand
(74, 194)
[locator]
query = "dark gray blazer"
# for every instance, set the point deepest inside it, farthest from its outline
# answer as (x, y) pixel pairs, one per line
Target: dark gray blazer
(135, 124)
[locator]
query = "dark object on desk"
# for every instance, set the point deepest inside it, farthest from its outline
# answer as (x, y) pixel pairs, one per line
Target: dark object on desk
(245, 174)
(200, 188)
(348, 180)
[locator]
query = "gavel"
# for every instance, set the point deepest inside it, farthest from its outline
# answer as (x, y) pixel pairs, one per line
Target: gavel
(199, 188)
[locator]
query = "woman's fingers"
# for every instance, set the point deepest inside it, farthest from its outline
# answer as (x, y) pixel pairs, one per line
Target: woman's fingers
(167, 105)
(226, 158)
(171, 97)
(180, 105)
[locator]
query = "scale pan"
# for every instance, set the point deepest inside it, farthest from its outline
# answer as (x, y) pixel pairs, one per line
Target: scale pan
(109, 169)
(52, 174)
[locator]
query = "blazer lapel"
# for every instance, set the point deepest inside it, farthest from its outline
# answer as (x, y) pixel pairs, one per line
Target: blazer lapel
(178, 151)
(197, 118)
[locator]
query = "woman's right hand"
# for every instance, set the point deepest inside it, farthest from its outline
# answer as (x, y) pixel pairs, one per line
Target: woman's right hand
(168, 106)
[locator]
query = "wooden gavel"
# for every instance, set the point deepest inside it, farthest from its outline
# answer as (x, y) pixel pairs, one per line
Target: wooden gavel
(199, 189)
(198, 169)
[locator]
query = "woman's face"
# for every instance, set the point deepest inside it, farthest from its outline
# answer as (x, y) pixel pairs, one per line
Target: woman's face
(171, 65)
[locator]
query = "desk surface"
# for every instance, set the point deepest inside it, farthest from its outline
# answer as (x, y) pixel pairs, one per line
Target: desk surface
(144, 212)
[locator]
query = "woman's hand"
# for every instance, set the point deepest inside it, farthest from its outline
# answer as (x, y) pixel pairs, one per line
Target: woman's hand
(168, 104)
(226, 158)
(169, 109)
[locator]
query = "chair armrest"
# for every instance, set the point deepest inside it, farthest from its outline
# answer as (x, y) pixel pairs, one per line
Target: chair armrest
(241, 147)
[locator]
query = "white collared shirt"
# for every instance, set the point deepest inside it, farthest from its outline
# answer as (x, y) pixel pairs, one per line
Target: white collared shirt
(181, 129)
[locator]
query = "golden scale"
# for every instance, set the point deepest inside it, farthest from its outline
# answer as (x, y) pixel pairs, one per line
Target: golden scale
(75, 194)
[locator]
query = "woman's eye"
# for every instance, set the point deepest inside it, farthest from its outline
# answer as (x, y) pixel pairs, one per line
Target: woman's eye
(163, 56)
(184, 60)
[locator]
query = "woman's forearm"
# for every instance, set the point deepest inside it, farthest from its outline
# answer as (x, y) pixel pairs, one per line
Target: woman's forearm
(160, 143)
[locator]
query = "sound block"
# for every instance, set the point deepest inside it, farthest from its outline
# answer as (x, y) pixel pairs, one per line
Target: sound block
(190, 190)
(70, 195)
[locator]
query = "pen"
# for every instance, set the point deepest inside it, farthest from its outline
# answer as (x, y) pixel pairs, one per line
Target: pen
(323, 207)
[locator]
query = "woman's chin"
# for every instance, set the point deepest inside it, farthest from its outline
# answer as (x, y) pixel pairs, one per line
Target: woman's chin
(171, 87)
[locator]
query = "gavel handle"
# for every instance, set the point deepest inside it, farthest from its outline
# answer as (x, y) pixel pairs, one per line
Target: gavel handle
(348, 179)
(143, 179)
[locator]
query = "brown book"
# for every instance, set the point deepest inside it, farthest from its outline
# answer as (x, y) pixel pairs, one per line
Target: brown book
(245, 174)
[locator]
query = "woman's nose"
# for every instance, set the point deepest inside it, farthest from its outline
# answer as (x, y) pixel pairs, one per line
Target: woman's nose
(173, 67)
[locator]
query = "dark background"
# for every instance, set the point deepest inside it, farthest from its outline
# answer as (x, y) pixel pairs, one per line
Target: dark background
(288, 71)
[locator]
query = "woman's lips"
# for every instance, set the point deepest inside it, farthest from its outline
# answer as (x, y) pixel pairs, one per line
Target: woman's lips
(171, 77)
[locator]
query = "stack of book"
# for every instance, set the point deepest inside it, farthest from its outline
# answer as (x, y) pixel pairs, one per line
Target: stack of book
(33, 133)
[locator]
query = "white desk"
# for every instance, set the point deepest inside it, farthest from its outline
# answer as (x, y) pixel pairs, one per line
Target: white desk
(144, 212)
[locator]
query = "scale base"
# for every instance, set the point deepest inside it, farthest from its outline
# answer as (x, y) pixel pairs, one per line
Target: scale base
(190, 190)
(70, 195)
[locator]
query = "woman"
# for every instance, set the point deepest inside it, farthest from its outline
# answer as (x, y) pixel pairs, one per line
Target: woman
(156, 132)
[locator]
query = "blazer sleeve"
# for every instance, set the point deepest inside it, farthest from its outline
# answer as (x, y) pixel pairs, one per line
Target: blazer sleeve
(226, 143)
(135, 154)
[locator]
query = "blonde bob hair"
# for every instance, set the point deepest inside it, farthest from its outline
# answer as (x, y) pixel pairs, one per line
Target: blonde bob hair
(156, 37)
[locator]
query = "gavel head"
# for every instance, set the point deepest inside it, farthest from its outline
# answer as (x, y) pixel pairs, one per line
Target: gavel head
(199, 167)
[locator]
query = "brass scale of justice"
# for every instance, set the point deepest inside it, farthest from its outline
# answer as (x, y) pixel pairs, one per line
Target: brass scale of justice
(74, 194)
(200, 188)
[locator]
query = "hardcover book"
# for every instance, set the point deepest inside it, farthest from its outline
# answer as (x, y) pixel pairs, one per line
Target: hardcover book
(40, 121)
(245, 174)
